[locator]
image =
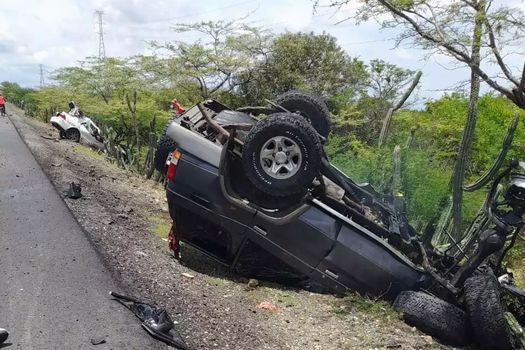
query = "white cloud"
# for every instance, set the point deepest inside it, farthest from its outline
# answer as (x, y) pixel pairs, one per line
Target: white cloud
(56, 33)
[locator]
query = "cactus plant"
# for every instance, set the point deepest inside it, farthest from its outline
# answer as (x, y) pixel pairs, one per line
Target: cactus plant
(410, 137)
(388, 117)
(149, 165)
(507, 141)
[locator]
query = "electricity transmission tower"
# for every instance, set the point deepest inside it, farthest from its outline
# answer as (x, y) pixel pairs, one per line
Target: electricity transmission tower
(42, 82)
(101, 47)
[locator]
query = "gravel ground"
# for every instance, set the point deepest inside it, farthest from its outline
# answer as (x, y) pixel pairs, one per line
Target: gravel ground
(121, 213)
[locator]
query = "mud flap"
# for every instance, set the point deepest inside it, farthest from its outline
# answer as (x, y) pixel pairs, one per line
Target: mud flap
(173, 242)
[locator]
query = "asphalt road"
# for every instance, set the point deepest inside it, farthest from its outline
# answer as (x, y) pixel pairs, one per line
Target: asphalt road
(54, 286)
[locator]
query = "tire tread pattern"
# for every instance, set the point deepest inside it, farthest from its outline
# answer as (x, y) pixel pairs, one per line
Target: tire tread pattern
(433, 316)
(486, 313)
(311, 105)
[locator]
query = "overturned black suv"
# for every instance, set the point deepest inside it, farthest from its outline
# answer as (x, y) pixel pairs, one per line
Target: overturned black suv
(253, 189)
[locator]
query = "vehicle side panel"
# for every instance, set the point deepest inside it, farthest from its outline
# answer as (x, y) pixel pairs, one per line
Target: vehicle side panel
(309, 238)
(364, 265)
(315, 243)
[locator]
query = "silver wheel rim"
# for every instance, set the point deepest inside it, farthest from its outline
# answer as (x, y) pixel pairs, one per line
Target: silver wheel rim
(280, 157)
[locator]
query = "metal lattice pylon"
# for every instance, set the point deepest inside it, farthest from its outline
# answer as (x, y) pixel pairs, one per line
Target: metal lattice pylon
(42, 81)
(101, 47)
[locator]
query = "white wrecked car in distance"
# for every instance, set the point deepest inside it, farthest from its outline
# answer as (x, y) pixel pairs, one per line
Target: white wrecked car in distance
(75, 126)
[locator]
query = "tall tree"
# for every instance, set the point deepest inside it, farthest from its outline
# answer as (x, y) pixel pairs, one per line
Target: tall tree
(99, 77)
(386, 84)
(387, 81)
(307, 61)
(223, 51)
(446, 27)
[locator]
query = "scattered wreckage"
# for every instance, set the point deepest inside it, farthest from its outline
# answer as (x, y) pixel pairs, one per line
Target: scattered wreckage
(253, 189)
(75, 126)
(155, 321)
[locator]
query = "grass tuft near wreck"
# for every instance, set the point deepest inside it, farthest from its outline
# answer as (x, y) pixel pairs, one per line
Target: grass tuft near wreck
(88, 152)
(160, 225)
(516, 262)
(374, 307)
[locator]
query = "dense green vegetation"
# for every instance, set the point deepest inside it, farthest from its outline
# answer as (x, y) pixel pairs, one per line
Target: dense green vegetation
(429, 159)
(254, 65)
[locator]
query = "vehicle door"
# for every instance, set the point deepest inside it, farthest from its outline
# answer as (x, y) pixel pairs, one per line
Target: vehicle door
(362, 261)
(301, 239)
(196, 188)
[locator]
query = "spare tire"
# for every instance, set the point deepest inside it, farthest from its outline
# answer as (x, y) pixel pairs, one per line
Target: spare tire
(486, 314)
(282, 155)
(165, 145)
(434, 316)
(309, 106)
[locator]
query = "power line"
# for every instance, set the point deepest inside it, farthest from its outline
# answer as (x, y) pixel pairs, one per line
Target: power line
(101, 46)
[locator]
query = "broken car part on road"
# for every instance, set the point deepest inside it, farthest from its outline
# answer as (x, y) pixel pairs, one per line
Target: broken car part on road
(74, 191)
(4, 334)
(155, 321)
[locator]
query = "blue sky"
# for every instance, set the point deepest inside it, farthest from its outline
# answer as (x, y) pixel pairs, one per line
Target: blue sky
(57, 33)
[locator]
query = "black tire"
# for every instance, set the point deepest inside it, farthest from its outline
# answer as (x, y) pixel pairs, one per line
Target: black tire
(309, 106)
(486, 313)
(165, 145)
(72, 134)
(304, 156)
(433, 316)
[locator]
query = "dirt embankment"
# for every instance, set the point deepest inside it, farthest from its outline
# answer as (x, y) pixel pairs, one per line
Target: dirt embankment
(126, 217)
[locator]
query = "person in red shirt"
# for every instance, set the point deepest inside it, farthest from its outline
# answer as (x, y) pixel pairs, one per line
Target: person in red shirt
(2, 104)
(174, 104)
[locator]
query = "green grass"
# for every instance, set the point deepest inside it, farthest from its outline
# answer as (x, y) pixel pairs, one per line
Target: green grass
(160, 226)
(516, 262)
(218, 282)
(376, 308)
(88, 152)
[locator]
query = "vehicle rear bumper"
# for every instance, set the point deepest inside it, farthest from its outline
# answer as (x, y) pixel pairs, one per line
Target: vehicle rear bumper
(58, 123)
(195, 143)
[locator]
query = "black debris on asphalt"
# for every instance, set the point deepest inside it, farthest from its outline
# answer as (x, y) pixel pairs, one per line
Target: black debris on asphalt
(74, 191)
(98, 340)
(155, 321)
(4, 334)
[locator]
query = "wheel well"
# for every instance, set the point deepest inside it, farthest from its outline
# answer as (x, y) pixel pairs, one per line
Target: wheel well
(72, 128)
